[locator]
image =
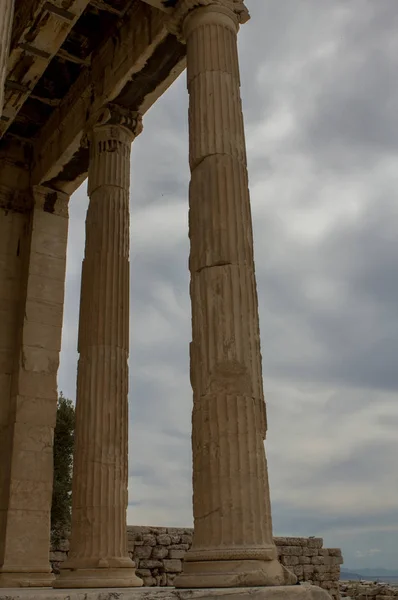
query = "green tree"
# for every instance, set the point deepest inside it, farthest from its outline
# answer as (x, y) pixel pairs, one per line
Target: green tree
(63, 462)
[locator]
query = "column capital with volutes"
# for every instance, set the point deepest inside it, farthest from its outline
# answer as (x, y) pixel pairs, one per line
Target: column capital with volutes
(235, 9)
(109, 135)
(116, 122)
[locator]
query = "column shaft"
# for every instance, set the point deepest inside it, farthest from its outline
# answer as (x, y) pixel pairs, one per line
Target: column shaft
(98, 554)
(30, 345)
(233, 544)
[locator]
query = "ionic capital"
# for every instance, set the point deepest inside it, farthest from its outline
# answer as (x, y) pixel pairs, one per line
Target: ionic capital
(115, 122)
(235, 9)
(114, 115)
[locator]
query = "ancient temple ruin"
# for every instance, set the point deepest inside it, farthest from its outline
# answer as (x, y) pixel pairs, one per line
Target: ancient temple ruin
(76, 79)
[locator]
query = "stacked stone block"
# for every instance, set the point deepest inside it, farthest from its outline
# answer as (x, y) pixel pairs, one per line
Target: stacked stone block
(312, 563)
(159, 551)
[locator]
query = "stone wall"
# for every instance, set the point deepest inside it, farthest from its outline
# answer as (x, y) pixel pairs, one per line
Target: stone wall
(159, 552)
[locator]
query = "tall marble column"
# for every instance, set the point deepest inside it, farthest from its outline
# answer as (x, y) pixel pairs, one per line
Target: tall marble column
(98, 554)
(6, 17)
(233, 543)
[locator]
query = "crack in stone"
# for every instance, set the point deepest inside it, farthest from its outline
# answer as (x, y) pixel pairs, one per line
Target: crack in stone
(212, 512)
(217, 264)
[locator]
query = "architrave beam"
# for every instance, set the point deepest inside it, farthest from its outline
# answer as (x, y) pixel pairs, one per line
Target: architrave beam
(126, 66)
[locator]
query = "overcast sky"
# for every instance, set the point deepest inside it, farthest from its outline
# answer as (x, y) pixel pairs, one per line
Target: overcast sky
(320, 94)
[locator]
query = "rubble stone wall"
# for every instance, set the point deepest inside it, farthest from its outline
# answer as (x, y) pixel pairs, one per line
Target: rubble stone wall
(159, 551)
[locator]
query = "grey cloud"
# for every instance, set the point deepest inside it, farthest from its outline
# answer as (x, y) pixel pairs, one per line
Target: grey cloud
(360, 465)
(289, 520)
(343, 403)
(356, 337)
(343, 101)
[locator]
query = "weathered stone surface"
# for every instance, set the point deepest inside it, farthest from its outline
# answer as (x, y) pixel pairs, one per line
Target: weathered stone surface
(325, 573)
(175, 538)
(366, 589)
(186, 538)
(299, 571)
(57, 557)
(289, 560)
(172, 566)
(170, 579)
(229, 421)
(144, 573)
(160, 552)
(164, 539)
(291, 550)
(334, 552)
(161, 580)
(149, 539)
(143, 551)
(315, 542)
(264, 593)
(6, 19)
(291, 541)
(30, 357)
(177, 553)
(98, 554)
(150, 564)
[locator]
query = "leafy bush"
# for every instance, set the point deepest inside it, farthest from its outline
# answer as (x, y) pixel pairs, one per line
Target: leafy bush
(63, 462)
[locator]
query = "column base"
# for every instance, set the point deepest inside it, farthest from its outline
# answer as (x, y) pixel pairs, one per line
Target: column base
(25, 580)
(234, 574)
(97, 578)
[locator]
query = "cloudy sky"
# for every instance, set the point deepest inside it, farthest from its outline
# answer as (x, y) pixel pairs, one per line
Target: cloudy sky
(320, 93)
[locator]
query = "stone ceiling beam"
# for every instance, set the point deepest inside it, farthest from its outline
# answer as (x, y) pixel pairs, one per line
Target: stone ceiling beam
(101, 5)
(41, 28)
(133, 69)
(160, 4)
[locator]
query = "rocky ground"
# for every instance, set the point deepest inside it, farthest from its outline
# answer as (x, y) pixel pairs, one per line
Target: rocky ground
(367, 590)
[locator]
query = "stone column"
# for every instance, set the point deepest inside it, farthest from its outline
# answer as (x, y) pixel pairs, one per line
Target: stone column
(6, 16)
(233, 543)
(98, 554)
(31, 312)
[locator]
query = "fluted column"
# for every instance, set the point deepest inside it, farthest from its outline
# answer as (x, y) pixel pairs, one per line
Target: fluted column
(6, 16)
(98, 554)
(233, 544)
